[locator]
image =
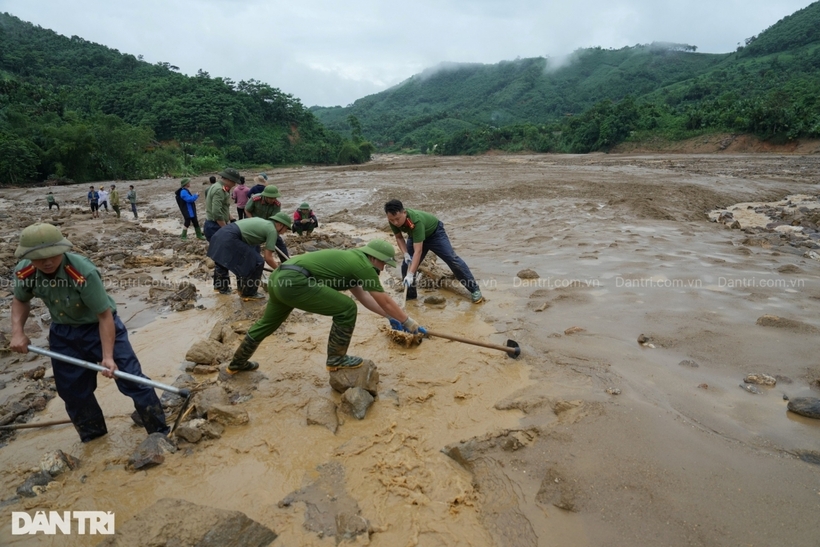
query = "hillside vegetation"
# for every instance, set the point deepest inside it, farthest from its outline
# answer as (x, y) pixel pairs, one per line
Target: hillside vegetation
(598, 98)
(72, 109)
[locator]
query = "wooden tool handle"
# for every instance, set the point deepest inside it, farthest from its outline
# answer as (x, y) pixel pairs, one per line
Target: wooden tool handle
(511, 351)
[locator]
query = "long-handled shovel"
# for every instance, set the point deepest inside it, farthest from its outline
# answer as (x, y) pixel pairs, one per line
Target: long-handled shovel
(512, 348)
(182, 392)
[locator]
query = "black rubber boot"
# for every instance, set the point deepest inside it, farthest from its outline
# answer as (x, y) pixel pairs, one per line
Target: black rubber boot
(245, 351)
(337, 344)
(153, 419)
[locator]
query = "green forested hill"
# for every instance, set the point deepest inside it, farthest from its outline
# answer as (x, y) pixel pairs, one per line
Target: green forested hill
(597, 97)
(73, 109)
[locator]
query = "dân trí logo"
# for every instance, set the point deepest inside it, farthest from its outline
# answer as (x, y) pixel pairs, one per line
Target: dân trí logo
(87, 522)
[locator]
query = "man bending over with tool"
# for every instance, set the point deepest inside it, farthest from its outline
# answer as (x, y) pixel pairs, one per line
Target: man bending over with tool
(425, 233)
(84, 325)
(312, 282)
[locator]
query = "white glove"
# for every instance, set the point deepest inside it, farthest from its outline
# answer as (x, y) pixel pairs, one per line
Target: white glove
(410, 325)
(407, 258)
(409, 278)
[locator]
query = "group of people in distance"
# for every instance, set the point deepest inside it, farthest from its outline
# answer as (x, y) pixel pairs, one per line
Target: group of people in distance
(84, 317)
(101, 198)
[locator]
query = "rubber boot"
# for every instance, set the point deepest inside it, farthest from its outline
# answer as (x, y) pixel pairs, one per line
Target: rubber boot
(153, 419)
(337, 344)
(251, 290)
(199, 233)
(184, 234)
(240, 285)
(245, 351)
(89, 423)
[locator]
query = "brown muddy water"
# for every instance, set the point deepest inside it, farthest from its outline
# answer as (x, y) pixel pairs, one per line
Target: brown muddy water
(589, 438)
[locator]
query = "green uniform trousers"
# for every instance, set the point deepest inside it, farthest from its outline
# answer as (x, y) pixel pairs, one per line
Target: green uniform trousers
(288, 289)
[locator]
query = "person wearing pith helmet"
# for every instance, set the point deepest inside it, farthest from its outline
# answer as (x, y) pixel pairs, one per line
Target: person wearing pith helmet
(84, 325)
(265, 204)
(186, 201)
(313, 282)
(217, 216)
(304, 221)
(235, 248)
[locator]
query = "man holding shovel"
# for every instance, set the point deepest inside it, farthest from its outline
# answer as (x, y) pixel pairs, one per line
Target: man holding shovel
(425, 233)
(313, 282)
(84, 325)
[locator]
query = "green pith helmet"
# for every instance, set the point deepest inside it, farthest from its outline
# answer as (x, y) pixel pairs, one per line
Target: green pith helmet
(184, 182)
(379, 248)
(231, 174)
(282, 218)
(270, 192)
(304, 206)
(41, 241)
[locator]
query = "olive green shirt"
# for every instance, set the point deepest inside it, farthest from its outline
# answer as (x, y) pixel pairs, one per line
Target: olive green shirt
(70, 301)
(340, 269)
(258, 207)
(132, 196)
(218, 204)
(50, 198)
(114, 198)
(256, 231)
(419, 225)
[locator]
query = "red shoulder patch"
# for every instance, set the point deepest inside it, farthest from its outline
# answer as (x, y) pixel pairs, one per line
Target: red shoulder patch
(409, 223)
(256, 197)
(25, 273)
(74, 274)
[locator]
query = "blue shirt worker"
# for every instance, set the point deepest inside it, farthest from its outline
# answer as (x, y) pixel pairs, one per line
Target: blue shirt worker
(94, 202)
(313, 282)
(186, 201)
(235, 248)
(84, 325)
(425, 233)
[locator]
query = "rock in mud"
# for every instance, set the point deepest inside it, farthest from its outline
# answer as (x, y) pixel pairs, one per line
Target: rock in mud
(365, 377)
(322, 411)
(356, 401)
(151, 452)
(188, 434)
(33, 484)
(809, 456)
(753, 389)
(206, 399)
(435, 300)
(760, 379)
(806, 406)
(689, 363)
(208, 352)
(527, 274)
(555, 489)
(574, 330)
(174, 522)
(788, 324)
(228, 415)
(58, 462)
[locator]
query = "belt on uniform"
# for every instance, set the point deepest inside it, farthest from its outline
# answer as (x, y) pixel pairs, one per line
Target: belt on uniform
(295, 268)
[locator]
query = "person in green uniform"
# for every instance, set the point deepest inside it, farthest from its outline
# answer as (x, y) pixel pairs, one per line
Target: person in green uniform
(234, 248)
(217, 216)
(264, 205)
(425, 233)
(131, 196)
(114, 198)
(84, 325)
(313, 282)
(51, 201)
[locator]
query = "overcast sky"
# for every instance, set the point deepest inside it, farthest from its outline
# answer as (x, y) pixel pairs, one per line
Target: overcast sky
(332, 52)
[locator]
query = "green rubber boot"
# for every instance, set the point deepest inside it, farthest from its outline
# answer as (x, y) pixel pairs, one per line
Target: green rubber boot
(199, 233)
(245, 351)
(184, 234)
(337, 344)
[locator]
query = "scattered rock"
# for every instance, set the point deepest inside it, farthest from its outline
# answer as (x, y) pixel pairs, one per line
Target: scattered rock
(151, 452)
(208, 352)
(557, 490)
(805, 406)
(204, 369)
(322, 411)
(188, 434)
(57, 462)
(228, 415)
(613, 391)
(527, 274)
(574, 330)
(175, 522)
(205, 400)
(34, 484)
(788, 324)
(35, 373)
(809, 456)
(751, 389)
(356, 401)
(365, 377)
(703, 386)
(435, 300)
(760, 379)
(689, 363)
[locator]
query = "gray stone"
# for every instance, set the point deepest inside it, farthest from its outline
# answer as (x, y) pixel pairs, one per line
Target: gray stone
(228, 415)
(151, 452)
(321, 411)
(174, 522)
(365, 377)
(57, 462)
(689, 363)
(206, 399)
(806, 406)
(356, 401)
(751, 389)
(760, 379)
(212, 430)
(189, 434)
(29, 489)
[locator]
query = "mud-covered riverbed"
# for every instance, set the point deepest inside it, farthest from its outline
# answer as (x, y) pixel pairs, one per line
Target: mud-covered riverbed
(589, 438)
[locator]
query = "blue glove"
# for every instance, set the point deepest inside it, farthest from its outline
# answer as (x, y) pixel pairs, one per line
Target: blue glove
(395, 324)
(423, 331)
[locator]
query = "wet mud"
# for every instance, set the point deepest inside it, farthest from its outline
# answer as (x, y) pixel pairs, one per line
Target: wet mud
(590, 437)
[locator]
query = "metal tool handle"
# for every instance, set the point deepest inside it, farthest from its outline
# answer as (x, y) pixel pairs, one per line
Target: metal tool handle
(117, 374)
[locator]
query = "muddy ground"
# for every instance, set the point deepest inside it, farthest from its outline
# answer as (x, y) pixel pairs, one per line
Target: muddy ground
(589, 438)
